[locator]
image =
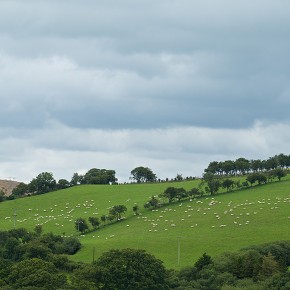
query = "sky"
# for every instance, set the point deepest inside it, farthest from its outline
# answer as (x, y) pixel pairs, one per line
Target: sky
(170, 85)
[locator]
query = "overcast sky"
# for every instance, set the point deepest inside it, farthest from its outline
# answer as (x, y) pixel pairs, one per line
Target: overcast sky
(170, 85)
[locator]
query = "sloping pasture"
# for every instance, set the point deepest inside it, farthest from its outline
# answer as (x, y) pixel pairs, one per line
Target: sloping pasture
(178, 234)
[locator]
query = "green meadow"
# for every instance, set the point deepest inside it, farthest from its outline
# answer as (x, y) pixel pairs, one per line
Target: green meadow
(178, 234)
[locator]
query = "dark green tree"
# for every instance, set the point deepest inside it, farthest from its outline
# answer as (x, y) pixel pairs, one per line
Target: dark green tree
(269, 266)
(36, 274)
(213, 167)
(70, 246)
(43, 183)
(81, 225)
(2, 195)
(116, 211)
(95, 222)
(38, 229)
(104, 218)
(143, 174)
(20, 190)
(62, 184)
(76, 179)
(170, 193)
(242, 165)
(203, 261)
(228, 184)
(130, 269)
(256, 165)
(152, 203)
(36, 249)
(261, 178)
(252, 178)
(228, 167)
(11, 249)
(181, 193)
(99, 176)
(212, 181)
(271, 163)
(195, 192)
(5, 269)
(178, 177)
(279, 173)
(87, 276)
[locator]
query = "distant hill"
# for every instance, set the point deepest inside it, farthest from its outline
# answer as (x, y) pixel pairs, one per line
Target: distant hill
(7, 186)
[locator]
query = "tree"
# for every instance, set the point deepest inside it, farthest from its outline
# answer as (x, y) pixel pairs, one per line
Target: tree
(242, 165)
(38, 229)
(99, 176)
(272, 163)
(269, 266)
(2, 195)
(213, 167)
(179, 177)
(36, 274)
(131, 269)
(181, 193)
(87, 276)
(169, 193)
(11, 249)
(228, 167)
(152, 203)
(256, 165)
(5, 268)
(62, 184)
(252, 178)
(228, 184)
(261, 178)
(76, 179)
(104, 218)
(203, 261)
(143, 174)
(116, 211)
(20, 190)
(70, 245)
(279, 173)
(94, 222)
(35, 249)
(213, 182)
(81, 225)
(43, 183)
(195, 192)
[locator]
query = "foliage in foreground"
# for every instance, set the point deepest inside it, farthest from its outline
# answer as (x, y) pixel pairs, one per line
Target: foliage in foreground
(258, 267)
(34, 261)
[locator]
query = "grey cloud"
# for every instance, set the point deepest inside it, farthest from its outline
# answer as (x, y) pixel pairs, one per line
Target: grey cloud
(184, 74)
(56, 87)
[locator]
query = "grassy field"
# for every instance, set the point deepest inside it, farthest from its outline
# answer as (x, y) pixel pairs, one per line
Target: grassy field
(177, 234)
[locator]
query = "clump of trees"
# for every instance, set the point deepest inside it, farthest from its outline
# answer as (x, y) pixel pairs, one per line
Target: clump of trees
(242, 166)
(115, 214)
(32, 260)
(122, 269)
(258, 267)
(172, 194)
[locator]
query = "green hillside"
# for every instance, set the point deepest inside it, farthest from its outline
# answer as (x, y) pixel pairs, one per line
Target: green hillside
(213, 225)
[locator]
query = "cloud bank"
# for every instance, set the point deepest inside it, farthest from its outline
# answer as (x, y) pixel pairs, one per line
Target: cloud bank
(169, 85)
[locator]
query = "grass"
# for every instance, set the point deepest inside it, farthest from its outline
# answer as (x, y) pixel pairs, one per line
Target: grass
(225, 222)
